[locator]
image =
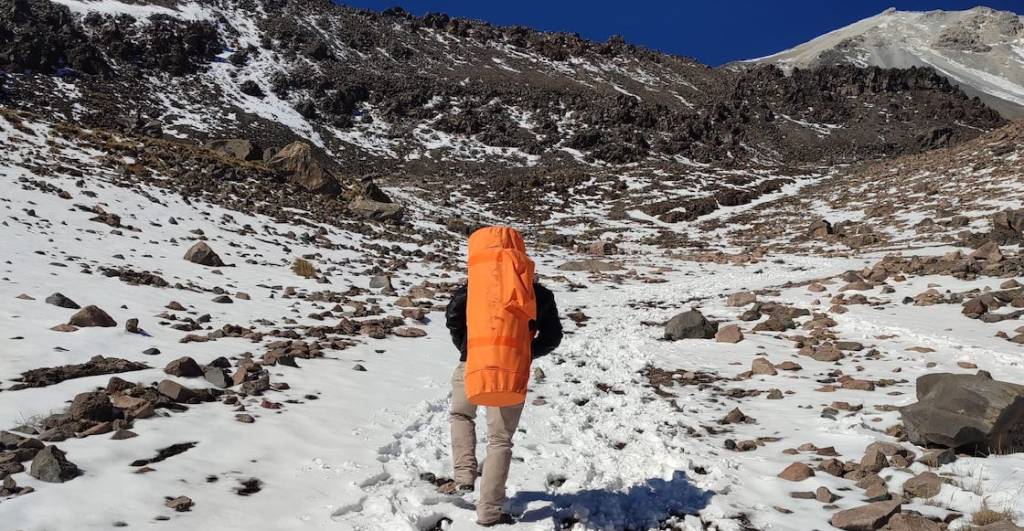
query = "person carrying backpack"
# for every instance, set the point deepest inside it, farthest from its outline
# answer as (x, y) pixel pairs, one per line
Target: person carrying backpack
(500, 321)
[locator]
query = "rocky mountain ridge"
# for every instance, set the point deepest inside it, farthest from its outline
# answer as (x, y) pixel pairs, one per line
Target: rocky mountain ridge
(981, 50)
(392, 93)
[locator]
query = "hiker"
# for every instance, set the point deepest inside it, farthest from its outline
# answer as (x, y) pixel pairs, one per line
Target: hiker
(500, 321)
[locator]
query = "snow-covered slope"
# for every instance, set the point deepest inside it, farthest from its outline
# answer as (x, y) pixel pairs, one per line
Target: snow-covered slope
(980, 49)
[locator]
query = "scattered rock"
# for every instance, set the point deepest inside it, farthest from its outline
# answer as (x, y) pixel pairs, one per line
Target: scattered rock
(91, 316)
(797, 472)
(185, 367)
(866, 517)
(690, 325)
(51, 465)
(923, 485)
(180, 504)
(58, 299)
(729, 334)
(762, 366)
(202, 254)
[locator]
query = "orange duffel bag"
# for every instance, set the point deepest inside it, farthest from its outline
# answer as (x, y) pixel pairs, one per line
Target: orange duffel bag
(499, 307)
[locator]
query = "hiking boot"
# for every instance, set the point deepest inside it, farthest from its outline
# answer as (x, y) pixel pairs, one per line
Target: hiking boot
(504, 519)
(453, 488)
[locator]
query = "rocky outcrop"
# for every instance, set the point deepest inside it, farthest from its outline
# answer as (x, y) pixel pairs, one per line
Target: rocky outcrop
(297, 162)
(969, 412)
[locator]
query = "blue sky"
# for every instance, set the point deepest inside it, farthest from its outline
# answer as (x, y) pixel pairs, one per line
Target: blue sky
(714, 32)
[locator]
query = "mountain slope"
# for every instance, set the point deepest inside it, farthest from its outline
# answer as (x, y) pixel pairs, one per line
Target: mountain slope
(981, 50)
(945, 196)
(377, 91)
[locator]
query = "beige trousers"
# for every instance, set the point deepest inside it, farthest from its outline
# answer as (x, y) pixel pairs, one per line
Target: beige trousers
(501, 425)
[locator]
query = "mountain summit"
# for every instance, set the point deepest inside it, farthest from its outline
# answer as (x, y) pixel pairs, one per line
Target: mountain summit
(980, 49)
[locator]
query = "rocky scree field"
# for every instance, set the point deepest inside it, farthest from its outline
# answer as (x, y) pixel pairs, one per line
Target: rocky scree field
(226, 272)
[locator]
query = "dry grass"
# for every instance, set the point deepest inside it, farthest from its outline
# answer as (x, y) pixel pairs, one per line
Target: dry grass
(987, 515)
(304, 268)
(15, 118)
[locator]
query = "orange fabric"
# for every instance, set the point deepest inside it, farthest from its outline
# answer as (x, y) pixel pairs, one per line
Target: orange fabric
(500, 304)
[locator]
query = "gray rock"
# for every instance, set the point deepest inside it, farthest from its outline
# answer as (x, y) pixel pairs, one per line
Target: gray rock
(217, 376)
(972, 412)
(58, 299)
(690, 325)
(51, 465)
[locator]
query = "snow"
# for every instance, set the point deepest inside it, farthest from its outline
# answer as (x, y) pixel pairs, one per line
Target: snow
(184, 10)
(901, 39)
(351, 459)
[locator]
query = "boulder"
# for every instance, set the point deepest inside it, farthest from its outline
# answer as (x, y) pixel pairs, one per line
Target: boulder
(51, 465)
(94, 406)
(58, 299)
(729, 334)
(923, 485)
(912, 522)
(217, 376)
(376, 210)
(690, 325)
(175, 391)
(797, 472)
(866, 517)
(742, 298)
(297, 161)
(989, 251)
(820, 229)
(91, 316)
(761, 366)
(963, 411)
(1010, 222)
(184, 366)
(238, 148)
(202, 254)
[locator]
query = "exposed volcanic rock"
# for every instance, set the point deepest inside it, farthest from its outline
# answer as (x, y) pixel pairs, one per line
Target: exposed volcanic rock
(296, 160)
(964, 411)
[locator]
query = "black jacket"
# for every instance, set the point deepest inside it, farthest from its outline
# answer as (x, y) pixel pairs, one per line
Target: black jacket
(547, 325)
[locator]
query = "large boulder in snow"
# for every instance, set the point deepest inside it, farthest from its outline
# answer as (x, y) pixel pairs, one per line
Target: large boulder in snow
(297, 161)
(690, 325)
(51, 465)
(972, 412)
(92, 316)
(202, 254)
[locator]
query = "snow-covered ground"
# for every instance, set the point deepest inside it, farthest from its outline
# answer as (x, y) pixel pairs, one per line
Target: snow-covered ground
(597, 445)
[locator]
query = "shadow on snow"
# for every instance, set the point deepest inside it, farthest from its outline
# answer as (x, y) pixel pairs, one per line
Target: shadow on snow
(640, 507)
